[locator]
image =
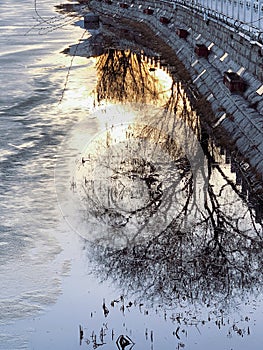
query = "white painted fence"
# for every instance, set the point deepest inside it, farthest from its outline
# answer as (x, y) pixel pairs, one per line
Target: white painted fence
(247, 14)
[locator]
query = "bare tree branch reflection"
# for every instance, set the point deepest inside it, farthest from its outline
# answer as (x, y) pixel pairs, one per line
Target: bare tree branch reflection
(169, 226)
(163, 218)
(217, 260)
(123, 76)
(211, 249)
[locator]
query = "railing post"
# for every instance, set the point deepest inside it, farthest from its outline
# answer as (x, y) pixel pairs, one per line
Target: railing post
(227, 7)
(244, 11)
(259, 14)
(251, 13)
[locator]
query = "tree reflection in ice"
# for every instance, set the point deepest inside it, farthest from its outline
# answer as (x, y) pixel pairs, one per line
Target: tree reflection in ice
(123, 76)
(218, 258)
(169, 235)
(176, 230)
(163, 220)
(131, 186)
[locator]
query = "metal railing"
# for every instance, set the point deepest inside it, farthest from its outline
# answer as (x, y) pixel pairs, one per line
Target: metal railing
(247, 14)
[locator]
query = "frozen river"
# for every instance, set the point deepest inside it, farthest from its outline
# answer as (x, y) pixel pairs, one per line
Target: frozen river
(112, 217)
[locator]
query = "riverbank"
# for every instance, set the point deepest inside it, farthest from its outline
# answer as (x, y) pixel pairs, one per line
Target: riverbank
(234, 119)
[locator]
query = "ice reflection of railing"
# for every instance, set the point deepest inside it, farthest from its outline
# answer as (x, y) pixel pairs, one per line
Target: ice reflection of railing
(245, 13)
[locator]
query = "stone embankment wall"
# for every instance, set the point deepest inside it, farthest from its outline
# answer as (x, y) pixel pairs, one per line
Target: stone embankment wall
(240, 115)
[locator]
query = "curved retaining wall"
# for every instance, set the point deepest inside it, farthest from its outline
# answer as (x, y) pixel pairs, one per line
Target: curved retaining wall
(239, 115)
